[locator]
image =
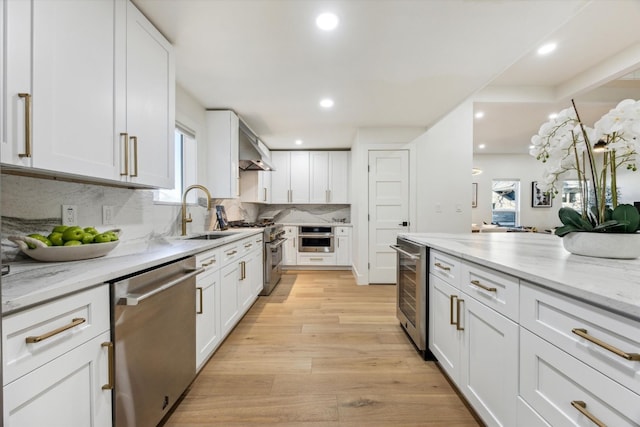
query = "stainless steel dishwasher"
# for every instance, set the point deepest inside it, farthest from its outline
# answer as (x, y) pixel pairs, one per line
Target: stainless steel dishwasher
(153, 323)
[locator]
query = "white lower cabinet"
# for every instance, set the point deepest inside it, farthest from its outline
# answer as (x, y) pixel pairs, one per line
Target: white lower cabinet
(208, 335)
(445, 338)
(567, 392)
(316, 258)
(343, 245)
(229, 311)
(290, 246)
(66, 392)
(56, 363)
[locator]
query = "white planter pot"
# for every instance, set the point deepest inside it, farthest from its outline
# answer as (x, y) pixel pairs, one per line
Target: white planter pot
(603, 245)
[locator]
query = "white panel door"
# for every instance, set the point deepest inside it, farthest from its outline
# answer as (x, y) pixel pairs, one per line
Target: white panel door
(319, 177)
(280, 177)
(150, 102)
(62, 56)
(388, 210)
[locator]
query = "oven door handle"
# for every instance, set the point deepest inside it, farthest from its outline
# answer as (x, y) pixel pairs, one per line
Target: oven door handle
(320, 235)
(277, 244)
(402, 251)
(135, 299)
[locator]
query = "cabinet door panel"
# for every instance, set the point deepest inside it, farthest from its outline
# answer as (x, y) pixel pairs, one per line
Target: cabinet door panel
(444, 339)
(229, 312)
(318, 177)
(489, 371)
(65, 392)
(299, 177)
(150, 101)
(207, 326)
(280, 177)
(339, 177)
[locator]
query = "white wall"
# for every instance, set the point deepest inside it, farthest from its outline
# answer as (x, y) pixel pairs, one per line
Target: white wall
(443, 187)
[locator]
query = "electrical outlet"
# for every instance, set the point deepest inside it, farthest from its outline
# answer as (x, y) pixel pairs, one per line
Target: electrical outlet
(458, 207)
(69, 215)
(438, 208)
(107, 215)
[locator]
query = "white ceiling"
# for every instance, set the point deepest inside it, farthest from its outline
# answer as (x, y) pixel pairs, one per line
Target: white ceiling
(391, 62)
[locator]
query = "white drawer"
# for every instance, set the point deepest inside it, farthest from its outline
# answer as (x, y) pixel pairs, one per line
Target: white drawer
(316, 259)
(492, 288)
(209, 259)
(87, 310)
(229, 253)
(551, 380)
(247, 245)
(445, 267)
(554, 317)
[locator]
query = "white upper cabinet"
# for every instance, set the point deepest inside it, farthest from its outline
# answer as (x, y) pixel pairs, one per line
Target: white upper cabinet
(78, 75)
(223, 170)
(329, 177)
(146, 149)
(60, 85)
(290, 180)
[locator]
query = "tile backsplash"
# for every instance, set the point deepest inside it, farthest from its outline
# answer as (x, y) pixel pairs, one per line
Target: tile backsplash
(34, 205)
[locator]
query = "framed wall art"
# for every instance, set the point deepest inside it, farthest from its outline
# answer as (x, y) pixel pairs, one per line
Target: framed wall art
(540, 199)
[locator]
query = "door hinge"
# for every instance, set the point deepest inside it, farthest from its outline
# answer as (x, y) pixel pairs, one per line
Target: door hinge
(368, 217)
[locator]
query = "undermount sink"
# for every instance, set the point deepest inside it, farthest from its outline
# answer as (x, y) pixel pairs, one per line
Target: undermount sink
(213, 236)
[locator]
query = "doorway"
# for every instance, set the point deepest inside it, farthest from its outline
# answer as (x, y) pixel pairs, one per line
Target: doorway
(388, 210)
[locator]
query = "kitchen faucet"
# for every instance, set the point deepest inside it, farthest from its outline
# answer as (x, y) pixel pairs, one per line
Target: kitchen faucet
(185, 220)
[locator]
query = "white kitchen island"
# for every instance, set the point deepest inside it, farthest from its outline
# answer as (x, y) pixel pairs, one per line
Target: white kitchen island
(532, 335)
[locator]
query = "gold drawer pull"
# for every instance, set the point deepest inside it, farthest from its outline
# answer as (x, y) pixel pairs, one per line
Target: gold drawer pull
(481, 286)
(444, 267)
(583, 333)
(451, 299)
(248, 245)
(200, 308)
(458, 304)
(74, 322)
(582, 408)
(112, 372)
(231, 253)
(207, 264)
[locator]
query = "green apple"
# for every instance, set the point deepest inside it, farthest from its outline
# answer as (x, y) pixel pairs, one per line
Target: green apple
(73, 233)
(56, 239)
(73, 243)
(59, 228)
(113, 235)
(38, 237)
(87, 238)
(91, 230)
(102, 238)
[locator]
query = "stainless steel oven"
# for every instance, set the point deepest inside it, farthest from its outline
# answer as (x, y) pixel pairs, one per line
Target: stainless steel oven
(273, 240)
(412, 292)
(315, 239)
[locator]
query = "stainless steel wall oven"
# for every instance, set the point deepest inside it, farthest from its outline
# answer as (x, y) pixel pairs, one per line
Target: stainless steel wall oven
(412, 293)
(315, 239)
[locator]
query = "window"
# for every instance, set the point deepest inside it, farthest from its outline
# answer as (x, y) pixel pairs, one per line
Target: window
(185, 168)
(505, 202)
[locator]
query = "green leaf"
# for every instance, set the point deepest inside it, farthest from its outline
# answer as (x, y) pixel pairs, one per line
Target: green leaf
(569, 216)
(566, 229)
(608, 225)
(608, 214)
(628, 216)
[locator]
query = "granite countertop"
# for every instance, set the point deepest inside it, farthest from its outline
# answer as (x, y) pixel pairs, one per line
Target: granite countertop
(541, 259)
(31, 282)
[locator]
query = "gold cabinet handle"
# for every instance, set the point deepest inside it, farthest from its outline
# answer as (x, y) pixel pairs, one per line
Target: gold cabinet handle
(243, 270)
(134, 139)
(458, 304)
(125, 137)
(200, 308)
(452, 298)
(582, 408)
(231, 253)
(264, 199)
(628, 356)
(207, 264)
(27, 125)
(74, 322)
(248, 245)
(481, 286)
(112, 372)
(443, 267)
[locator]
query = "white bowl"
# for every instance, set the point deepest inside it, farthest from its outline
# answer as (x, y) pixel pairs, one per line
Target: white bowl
(46, 253)
(603, 245)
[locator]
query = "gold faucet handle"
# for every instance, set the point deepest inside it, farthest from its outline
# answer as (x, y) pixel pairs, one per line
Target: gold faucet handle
(188, 219)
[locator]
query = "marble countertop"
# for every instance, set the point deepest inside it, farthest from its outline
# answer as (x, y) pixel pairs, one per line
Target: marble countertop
(30, 282)
(318, 224)
(541, 259)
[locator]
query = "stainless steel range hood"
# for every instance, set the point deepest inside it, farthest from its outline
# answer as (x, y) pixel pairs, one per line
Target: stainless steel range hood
(251, 156)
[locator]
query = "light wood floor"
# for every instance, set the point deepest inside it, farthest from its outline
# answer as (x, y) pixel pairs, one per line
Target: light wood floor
(320, 351)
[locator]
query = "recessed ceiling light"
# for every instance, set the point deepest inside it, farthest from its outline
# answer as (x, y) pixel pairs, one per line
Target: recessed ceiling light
(482, 146)
(479, 114)
(547, 48)
(553, 116)
(327, 21)
(326, 103)
(298, 142)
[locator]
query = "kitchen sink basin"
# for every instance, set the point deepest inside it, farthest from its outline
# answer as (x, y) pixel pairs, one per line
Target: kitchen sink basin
(213, 236)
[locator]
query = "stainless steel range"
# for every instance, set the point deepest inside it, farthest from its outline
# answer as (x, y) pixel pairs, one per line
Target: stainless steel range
(272, 259)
